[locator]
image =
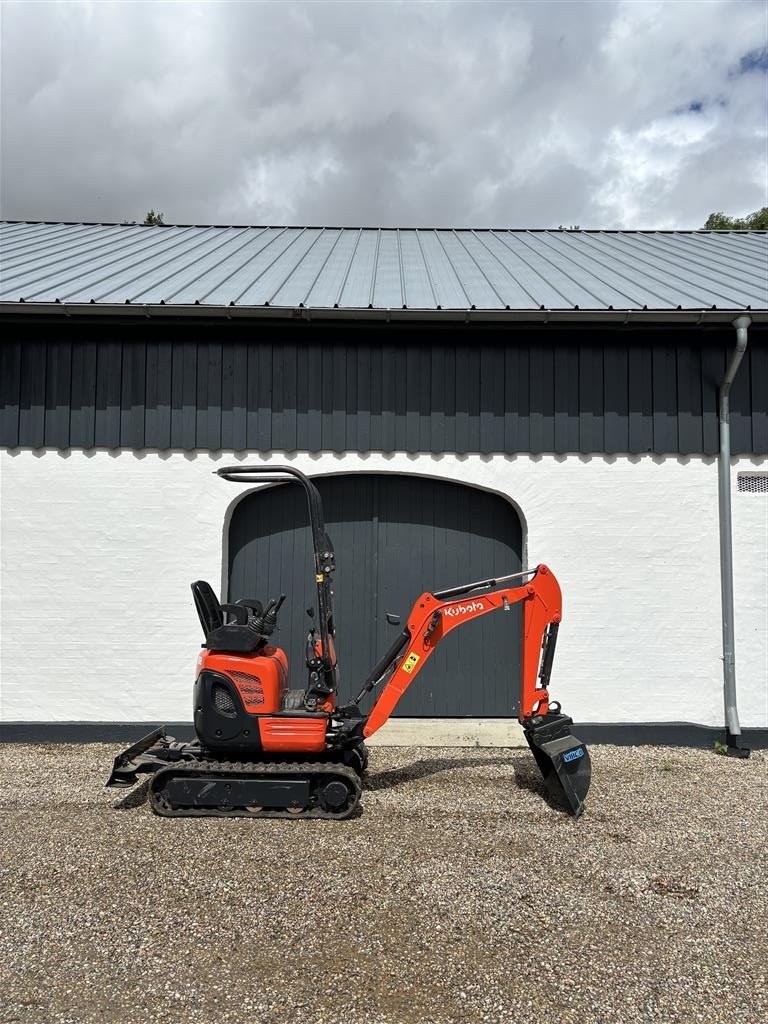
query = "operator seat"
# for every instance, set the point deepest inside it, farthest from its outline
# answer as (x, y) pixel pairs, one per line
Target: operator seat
(239, 637)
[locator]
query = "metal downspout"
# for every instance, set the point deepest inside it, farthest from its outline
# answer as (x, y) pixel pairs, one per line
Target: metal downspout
(732, 727)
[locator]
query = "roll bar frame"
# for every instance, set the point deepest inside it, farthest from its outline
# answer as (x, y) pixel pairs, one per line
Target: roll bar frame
(325, 565)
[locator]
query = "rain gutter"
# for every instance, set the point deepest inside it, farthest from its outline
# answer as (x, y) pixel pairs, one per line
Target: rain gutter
(392, 315)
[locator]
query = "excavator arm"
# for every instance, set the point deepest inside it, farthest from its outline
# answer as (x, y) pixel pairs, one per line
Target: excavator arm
(562, 758)
(433, 616)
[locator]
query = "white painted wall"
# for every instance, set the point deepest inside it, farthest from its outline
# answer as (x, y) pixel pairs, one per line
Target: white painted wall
(98, 550)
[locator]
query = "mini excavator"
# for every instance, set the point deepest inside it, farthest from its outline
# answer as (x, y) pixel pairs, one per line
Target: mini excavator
(264, 750)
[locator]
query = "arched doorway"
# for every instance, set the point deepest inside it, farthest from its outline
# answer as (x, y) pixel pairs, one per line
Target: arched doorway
(395, 536)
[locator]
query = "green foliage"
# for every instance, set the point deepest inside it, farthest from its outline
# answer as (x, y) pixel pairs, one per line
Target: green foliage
(154, 218)
(757, 221)
(720, 748)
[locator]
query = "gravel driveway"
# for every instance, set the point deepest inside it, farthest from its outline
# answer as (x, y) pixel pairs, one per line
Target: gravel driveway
(458, 895)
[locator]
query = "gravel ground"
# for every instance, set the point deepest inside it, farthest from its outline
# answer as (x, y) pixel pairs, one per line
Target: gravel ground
(458, 895)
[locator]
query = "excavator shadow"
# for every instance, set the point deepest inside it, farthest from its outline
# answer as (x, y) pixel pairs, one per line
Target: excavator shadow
(422, 769)
(136, 798)
(526, 777)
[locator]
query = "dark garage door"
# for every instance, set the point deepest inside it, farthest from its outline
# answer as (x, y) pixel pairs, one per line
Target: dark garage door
(395, 536)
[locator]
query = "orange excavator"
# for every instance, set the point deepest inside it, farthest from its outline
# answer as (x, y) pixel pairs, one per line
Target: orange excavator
(265, 750)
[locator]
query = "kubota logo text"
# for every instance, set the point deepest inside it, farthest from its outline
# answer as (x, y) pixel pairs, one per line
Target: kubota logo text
(463, 609)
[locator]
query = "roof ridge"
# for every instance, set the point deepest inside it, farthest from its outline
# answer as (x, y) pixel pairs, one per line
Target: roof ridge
(395, 227)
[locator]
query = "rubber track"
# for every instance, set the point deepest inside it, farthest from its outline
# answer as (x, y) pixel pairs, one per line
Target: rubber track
(239, 768)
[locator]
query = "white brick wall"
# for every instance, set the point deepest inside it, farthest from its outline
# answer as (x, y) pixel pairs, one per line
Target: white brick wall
(98, 550)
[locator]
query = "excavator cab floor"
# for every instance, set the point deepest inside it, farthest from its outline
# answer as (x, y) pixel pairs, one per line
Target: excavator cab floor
(562, 758)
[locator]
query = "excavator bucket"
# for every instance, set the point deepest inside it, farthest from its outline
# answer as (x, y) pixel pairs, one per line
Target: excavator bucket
(562, 759)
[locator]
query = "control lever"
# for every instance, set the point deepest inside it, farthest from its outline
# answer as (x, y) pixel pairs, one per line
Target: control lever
(270, 616)
(265, 623)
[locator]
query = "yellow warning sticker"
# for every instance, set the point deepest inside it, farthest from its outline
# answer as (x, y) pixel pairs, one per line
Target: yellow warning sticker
(411, 662)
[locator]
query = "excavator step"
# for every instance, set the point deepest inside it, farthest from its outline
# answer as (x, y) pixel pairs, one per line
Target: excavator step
(255, 790)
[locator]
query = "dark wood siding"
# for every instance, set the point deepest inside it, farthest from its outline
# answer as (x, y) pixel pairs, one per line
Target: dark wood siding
(352, 388)
(395, 536)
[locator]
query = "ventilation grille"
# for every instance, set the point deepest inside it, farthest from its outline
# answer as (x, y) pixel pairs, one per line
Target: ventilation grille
(245, 677)
(753, 483)
(223, 702)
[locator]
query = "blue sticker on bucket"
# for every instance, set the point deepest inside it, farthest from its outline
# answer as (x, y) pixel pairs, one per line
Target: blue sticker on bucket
(573, 755)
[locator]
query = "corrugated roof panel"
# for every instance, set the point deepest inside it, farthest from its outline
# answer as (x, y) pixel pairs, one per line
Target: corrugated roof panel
(325, 290)
(299, 281)
(475, 284)
(53, 262)
(136, 267)
(357, 289)
(754, 240)
(500, 274)
(593, 272)
(183, 284)
(213, 281)
(15, 235)
(52, 279)
(449, 292)
(239, 272)
(59, 238)
(647, 289)
(383, 269)
(667, 276)
(250, 285)
(419, 292)
(275, 274)
(710, 264)
(547, 271)
(156, 279)
(388, 285)
(541, 291)
(711, 269)
(159, 284)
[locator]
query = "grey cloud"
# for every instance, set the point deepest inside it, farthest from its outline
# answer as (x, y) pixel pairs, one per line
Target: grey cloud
(468, 113)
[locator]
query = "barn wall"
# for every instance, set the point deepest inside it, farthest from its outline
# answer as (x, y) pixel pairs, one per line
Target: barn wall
(511, 389)
(98, 550)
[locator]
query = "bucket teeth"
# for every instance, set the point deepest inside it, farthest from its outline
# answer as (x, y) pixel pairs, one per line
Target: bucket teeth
(562, 758)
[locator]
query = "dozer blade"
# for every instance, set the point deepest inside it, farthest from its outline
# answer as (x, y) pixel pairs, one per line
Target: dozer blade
(562, 758)
(134, 759)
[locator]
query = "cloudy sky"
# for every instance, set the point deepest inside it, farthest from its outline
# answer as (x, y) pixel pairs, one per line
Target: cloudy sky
(604, 114)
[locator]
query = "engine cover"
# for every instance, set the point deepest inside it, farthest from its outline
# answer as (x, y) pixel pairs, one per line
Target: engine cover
(260, 679)
(230, 691)
(239, 713)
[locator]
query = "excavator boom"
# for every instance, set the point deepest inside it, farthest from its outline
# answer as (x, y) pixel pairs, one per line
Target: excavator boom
(433, 617)
(562, 758)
